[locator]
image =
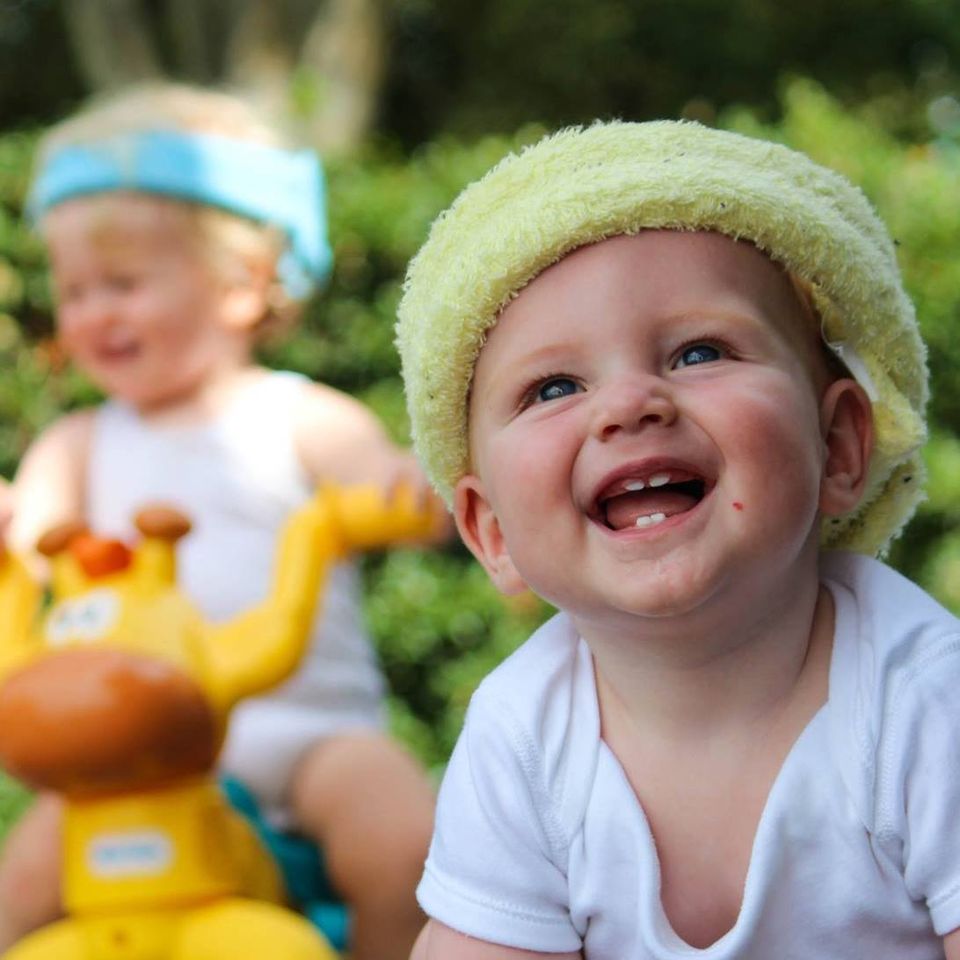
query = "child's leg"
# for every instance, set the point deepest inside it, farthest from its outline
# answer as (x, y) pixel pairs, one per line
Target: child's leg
(30, 871)
(370, 807)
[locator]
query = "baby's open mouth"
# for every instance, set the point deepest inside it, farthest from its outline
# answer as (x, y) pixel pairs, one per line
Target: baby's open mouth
(649, 499)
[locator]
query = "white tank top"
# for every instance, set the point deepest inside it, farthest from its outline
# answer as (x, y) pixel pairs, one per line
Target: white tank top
(238, 477)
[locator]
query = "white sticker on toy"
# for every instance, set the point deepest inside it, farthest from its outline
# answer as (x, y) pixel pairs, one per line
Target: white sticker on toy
(83, 619)
(131, 853)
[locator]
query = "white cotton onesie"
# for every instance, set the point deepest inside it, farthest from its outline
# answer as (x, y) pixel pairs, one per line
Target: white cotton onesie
(238, 477)
(541, 843)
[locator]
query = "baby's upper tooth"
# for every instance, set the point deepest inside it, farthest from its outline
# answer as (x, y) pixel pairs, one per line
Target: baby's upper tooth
(634, 485)
(659, 480)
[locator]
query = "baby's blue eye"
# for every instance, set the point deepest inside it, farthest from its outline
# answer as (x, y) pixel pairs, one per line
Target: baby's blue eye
(698, 353)
(556, 388)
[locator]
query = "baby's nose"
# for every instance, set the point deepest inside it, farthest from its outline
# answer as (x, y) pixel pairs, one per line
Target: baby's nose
(99, 307)
(630, 403)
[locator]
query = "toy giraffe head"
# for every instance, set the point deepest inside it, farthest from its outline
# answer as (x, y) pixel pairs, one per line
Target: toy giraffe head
(110, 689)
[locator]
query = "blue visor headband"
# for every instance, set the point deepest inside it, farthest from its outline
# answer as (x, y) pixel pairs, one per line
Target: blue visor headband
(282, 188)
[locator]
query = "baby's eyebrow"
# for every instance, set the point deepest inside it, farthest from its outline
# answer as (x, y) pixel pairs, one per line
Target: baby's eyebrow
(709, 314)
(538, 354)
(514, 374)
(549, 353)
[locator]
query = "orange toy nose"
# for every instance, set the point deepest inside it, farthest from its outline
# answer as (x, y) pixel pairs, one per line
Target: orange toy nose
(99, 556)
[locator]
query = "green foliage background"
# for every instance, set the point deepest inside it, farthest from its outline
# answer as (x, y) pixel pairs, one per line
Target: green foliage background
(438, 624)
(475, 66)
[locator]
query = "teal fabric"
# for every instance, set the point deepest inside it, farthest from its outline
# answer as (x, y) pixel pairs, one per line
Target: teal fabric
(284, 188)
(302, 865)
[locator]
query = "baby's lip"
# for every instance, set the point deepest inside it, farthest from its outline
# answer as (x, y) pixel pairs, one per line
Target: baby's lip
(118, 349)
(649, 491)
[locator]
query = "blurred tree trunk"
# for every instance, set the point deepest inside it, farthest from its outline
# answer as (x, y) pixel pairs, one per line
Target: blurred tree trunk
(314, 66)
(112, 42)
(346, 48)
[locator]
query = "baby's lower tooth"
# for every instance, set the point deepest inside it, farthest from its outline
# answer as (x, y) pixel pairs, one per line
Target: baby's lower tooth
(651, 519)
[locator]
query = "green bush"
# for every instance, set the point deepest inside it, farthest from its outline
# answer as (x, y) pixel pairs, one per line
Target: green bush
(438, 623)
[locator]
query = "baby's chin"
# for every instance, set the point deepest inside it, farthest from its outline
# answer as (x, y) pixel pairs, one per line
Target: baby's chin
(135, 389)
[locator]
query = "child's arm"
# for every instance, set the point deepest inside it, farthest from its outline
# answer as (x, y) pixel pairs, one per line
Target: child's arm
(439, 942)
(340, 440)
(48, 488)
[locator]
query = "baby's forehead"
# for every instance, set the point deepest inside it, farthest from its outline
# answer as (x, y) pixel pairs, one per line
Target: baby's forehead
(696, 251)
(118, 210)
(675, 274)
(119, 220)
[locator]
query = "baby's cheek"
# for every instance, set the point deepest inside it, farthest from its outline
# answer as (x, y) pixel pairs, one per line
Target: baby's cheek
(780, 447)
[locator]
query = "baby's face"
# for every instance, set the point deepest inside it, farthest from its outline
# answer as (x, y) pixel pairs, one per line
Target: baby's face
(139, 307)
(647, 428)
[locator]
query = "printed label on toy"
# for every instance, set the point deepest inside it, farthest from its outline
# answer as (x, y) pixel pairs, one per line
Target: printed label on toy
(83, 619)
(134, 853)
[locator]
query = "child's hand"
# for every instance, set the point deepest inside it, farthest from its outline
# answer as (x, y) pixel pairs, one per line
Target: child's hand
(341, 441)
(406, 473)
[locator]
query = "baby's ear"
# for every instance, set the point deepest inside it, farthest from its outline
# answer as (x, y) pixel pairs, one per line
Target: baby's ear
(246, 293)
(480, 530)
(846, 420)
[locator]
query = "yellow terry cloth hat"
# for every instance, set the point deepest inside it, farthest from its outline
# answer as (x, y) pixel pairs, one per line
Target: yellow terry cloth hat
(583, 185)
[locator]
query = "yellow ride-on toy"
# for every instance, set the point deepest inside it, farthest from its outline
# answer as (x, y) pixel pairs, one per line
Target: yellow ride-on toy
(117, 697)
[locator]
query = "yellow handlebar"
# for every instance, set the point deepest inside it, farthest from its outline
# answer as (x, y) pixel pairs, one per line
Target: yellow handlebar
(371, 519)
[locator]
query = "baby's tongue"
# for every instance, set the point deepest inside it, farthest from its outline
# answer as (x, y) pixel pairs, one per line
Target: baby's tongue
(622, 511)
